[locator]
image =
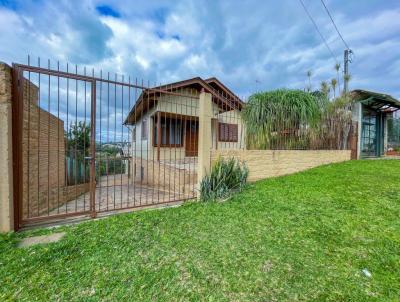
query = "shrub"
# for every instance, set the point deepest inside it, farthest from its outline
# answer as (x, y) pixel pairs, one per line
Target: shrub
(295, 119)
(274, 118)
(226, 176)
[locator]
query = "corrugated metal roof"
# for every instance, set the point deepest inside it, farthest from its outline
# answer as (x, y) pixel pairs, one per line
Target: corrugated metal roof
(375, 100)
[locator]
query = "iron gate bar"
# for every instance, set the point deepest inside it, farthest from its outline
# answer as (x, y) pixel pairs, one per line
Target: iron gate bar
(79, 77)
(93, 149)
(17, 108)
(38, 140)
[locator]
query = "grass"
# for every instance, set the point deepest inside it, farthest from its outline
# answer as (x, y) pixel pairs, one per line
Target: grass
(303, 237)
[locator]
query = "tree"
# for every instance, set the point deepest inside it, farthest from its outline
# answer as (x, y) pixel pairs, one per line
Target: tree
(78, 140)
(273, 119)
(309, 74)
(325, 89)
(78, 147)
(294, 119)
(347, 78)
(333, 84)
(337, 68)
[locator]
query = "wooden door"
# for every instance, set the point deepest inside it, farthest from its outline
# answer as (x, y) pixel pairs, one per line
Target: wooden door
(191, 138)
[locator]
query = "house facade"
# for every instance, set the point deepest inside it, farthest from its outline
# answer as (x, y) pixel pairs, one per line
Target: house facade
(174, 116)
(164, 125)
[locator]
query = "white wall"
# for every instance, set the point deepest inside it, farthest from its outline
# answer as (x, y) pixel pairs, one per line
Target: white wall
(142, 147)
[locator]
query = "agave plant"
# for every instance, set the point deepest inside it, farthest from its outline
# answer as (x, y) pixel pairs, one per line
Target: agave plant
(226, 177)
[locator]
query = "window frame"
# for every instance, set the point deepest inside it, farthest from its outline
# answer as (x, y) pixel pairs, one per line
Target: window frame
(167, 122)
(232, 132)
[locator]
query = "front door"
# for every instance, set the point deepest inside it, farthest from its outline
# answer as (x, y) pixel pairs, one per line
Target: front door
(191, 138)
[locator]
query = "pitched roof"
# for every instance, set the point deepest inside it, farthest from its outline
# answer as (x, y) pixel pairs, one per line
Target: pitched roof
(221, 95)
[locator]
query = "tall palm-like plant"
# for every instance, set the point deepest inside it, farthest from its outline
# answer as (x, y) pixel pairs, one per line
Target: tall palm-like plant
(347, 79)
(309, 74)
(276, 118)
(337, 68)
(325, 89)
(333, 84)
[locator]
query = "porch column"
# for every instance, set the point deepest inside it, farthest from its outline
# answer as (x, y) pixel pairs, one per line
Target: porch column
(205, 136)
(6, 180)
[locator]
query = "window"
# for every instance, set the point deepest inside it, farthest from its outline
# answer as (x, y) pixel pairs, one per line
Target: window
(227, 132)
(171, 133)
(144, 129)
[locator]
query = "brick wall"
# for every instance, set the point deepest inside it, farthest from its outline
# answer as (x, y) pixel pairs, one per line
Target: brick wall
(268, 163)
(44, 186)
(6, 184)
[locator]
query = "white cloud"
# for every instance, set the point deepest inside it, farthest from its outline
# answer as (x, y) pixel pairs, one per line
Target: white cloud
(239, 42)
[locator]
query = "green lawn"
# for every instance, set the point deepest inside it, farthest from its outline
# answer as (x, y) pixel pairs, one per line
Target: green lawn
(304, 237)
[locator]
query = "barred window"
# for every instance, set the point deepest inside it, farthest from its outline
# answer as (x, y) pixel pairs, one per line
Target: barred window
(227, 132)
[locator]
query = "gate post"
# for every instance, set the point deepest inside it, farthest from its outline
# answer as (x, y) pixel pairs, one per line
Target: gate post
(205, 137)
(6, 158)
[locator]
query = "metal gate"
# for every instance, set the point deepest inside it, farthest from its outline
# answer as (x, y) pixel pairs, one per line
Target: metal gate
(87, 143)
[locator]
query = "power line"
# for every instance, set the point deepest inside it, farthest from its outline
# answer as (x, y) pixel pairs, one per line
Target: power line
(334, 24)
(316, 27)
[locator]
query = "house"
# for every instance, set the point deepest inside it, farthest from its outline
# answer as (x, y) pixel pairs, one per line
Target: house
(374, 112)
(165, 126)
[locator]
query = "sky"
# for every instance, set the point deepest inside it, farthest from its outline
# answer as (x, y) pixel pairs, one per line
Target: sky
(248, 45)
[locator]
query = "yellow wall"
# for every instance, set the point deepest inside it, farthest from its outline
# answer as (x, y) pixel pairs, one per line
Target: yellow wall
(268, 163)
(230, 117)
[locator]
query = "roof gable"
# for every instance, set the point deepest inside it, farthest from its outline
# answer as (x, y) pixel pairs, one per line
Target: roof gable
(223, 97)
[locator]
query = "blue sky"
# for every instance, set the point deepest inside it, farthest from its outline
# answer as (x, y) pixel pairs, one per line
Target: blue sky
(240, 42)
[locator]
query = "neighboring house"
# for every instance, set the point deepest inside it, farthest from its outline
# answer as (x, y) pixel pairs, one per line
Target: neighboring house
(171, 113)
(372, 111)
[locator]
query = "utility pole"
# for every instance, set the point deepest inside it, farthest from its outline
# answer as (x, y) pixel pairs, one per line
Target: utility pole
(347, 59)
